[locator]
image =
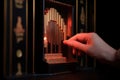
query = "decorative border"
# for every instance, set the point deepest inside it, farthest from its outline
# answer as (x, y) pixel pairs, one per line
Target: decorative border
(8, 36)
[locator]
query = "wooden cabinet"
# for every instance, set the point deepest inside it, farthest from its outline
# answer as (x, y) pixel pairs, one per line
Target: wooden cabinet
(34, 31)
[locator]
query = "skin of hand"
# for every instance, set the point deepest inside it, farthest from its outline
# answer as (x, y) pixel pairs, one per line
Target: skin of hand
(92, 45)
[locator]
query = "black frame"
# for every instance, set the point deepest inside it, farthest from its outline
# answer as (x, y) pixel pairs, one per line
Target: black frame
(34, 44)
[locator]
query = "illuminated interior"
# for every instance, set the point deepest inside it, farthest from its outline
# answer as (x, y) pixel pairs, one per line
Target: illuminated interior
(55, 31)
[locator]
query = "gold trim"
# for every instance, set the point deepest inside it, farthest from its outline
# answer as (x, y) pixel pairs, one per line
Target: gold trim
(94, 15)
(33, 35)
(26, 35)
(76, 16)
(86, 25)
(86, 30)
(11, 37)
(58, 2)
(4, 39)
(94, 65)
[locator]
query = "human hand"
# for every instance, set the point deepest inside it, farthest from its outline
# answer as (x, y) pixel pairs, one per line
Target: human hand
(92, 45)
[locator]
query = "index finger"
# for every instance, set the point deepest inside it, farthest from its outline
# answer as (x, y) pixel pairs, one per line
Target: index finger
(80, 37)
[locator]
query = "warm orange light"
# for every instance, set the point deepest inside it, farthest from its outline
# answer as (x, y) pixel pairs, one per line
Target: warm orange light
(45, 41)
(69, 26)
(45, 38)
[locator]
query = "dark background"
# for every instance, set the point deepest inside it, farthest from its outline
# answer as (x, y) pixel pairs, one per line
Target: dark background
(108, 22)
(108, 28)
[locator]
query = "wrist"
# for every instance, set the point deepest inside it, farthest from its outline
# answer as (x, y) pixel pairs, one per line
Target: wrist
(117, 56)
(116, 61)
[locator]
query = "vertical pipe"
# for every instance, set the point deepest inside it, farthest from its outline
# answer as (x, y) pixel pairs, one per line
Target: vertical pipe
(94, 65)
